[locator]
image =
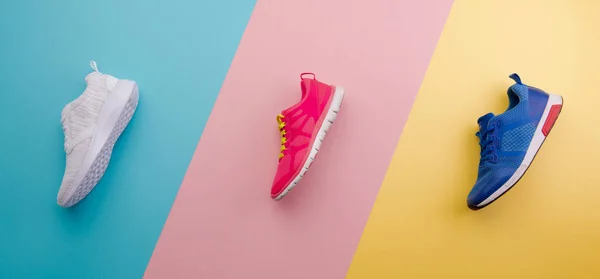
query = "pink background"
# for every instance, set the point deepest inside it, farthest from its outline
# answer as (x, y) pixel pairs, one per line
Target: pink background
(223, 223)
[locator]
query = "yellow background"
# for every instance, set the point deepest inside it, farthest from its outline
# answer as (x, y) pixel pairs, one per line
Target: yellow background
(548, 226)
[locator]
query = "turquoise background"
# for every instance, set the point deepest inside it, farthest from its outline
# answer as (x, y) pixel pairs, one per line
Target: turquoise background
(178, 51)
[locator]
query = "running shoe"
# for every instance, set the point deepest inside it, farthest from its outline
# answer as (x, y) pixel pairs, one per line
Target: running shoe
(92, 123)
(303, 128)
(509, 141)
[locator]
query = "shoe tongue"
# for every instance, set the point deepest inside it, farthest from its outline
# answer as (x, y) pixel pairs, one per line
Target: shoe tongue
(93, 77)
(484, 120)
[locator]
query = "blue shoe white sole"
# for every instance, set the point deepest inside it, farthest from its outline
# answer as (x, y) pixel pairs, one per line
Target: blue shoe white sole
(551, 113)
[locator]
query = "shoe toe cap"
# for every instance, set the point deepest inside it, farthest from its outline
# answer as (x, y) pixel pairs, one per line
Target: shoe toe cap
(486, 185)
(282, 176)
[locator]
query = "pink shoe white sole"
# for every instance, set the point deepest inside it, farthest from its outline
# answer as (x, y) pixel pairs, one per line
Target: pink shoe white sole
(324, 124)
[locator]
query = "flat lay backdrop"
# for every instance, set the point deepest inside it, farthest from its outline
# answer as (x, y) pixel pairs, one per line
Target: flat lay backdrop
(187, 192)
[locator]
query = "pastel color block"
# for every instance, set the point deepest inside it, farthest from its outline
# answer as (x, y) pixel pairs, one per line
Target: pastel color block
(548, 225)
(223, 223)
(179, 60)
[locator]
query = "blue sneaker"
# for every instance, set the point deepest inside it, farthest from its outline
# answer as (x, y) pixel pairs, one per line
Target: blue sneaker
(510, 141)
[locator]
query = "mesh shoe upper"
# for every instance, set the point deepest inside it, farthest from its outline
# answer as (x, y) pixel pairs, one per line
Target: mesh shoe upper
(300, 129)
(505, 138)
(78, 121)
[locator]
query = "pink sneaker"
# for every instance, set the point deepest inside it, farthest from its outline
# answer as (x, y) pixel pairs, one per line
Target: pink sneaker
(303, 127)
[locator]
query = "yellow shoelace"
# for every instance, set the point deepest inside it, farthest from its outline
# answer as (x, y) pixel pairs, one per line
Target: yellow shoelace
(282, 131)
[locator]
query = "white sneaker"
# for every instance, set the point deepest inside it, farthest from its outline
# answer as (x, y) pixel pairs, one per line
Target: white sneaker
(92, 123)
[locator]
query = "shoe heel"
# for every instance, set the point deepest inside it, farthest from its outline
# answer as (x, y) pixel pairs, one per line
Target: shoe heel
(555, 102)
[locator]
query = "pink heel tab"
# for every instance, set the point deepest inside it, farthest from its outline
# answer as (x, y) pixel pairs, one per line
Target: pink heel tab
(305, 82)
(306, 74)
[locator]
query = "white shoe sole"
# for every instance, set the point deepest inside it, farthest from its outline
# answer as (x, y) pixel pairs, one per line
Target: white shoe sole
(114, 116)
(546, 123)
(332, 113)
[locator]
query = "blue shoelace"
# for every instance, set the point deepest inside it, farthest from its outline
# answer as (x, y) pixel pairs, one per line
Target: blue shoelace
(487, 142)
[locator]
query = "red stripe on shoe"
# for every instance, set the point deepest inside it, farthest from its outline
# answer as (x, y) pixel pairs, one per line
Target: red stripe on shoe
(552, 116)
